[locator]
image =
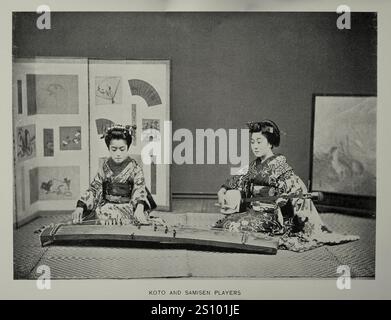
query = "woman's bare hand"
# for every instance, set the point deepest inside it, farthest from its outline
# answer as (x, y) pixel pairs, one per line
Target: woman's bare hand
(77, 215)
(221, 195)
(139, 214)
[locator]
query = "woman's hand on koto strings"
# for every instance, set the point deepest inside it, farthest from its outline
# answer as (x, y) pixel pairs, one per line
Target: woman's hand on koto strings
(77, 215)
(140, 216)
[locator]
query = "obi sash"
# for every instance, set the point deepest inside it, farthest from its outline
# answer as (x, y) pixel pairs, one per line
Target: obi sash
(117, 192)
(263, 191)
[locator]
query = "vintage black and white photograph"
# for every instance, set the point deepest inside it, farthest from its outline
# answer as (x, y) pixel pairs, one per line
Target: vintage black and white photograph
(194, 145)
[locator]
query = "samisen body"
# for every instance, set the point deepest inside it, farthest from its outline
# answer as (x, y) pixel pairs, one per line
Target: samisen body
(179, 311)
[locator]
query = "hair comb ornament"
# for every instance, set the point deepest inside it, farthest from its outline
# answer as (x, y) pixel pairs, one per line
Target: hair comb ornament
(268, 129)
(260, 127)
(129, 129)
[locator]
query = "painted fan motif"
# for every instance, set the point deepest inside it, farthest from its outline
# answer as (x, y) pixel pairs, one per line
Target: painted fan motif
(108, 90)
(146, 91)
(102, 124)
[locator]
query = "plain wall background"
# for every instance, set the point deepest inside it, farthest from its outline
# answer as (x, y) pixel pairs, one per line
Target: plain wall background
(226, 68)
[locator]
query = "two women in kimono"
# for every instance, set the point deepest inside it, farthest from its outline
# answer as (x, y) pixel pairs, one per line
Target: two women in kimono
(117, 194)
(292, 217)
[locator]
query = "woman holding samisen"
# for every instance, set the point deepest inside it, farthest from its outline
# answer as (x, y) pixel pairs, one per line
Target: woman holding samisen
(291, 215)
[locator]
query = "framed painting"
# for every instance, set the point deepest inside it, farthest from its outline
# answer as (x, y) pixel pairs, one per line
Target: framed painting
(344, 145)
(25, 142)
(52, 94)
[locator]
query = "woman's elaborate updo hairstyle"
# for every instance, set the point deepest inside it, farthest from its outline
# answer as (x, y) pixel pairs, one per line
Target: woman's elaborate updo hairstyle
(119, 132)
(268, 128)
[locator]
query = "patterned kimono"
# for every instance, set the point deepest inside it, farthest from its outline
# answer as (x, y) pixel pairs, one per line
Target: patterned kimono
(297, 223)
(115, 192)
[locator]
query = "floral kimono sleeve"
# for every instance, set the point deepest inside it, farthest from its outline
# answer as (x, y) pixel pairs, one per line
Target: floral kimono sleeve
(287, 181)
(234, 182)
(239, 180)
(139, 192)
(290, 183)
(93, 196)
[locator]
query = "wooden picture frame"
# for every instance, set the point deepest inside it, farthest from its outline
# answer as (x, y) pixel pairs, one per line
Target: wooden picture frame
(343, 150)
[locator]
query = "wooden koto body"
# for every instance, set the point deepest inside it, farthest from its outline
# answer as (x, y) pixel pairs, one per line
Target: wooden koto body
(161, 237)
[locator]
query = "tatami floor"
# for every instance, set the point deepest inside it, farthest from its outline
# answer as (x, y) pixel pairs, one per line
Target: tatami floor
(75, 262)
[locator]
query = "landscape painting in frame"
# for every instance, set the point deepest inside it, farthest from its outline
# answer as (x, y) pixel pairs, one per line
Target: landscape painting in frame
(344, 145)
(52, 94)
(56, 183)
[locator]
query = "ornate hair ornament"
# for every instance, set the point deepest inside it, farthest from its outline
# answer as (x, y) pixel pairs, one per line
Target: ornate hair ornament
(119, 128)
(260, 126)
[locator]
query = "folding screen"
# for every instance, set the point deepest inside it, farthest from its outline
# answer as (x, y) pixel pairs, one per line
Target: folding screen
(50, 122)
(58, 122)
